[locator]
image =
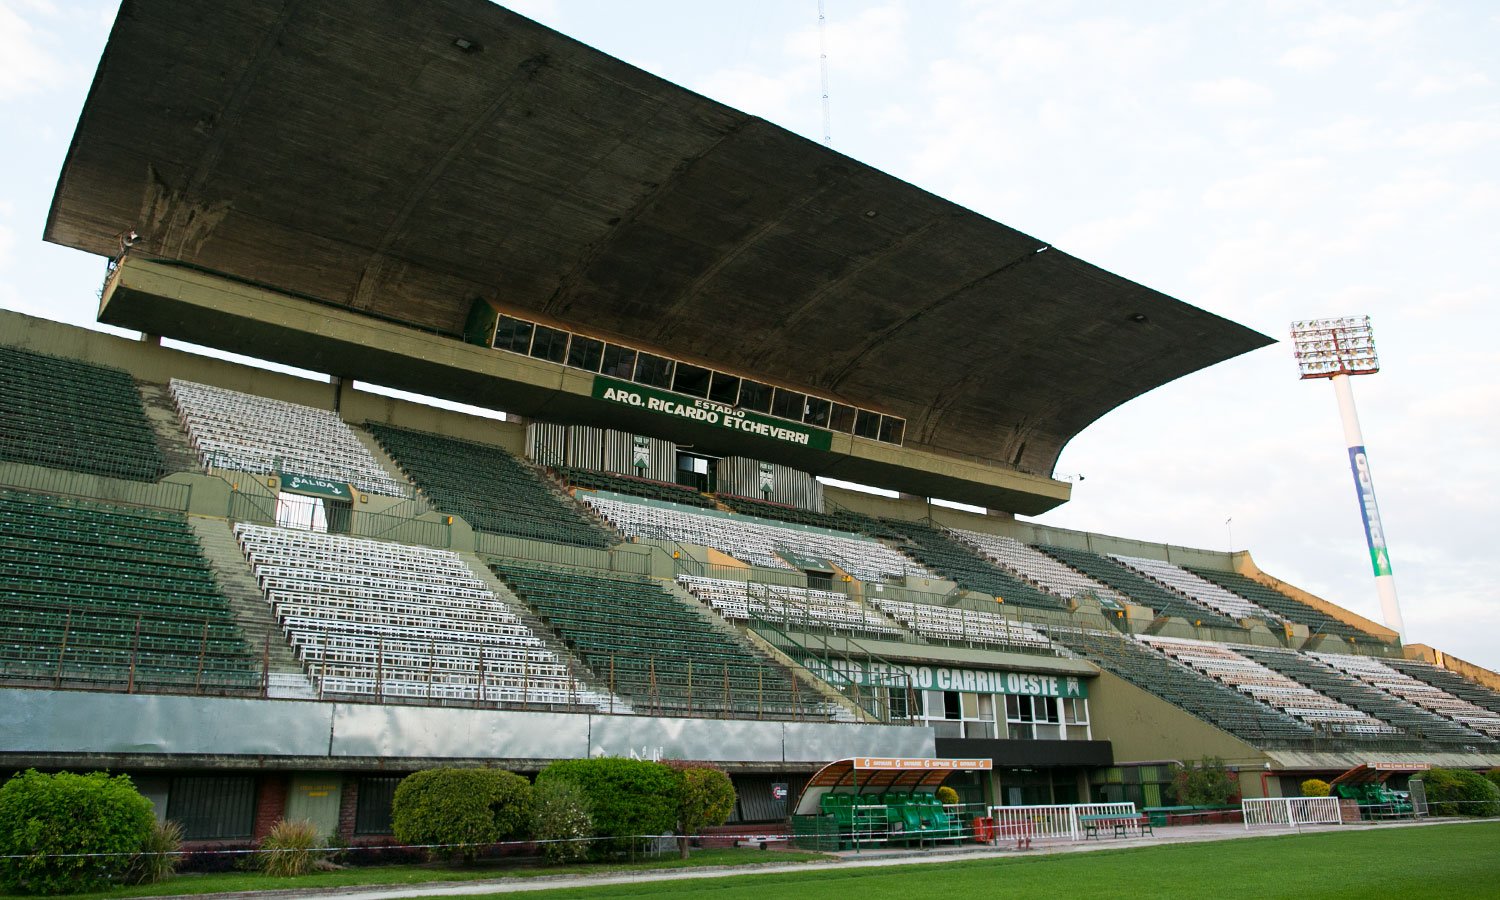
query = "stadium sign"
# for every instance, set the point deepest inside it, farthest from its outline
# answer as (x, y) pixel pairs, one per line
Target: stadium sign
(312, 486)
(1364, 485)
(708, 412)
(942, 678)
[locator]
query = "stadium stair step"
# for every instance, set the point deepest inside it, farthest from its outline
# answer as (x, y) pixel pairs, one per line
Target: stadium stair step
(171, 440)
(247, 602)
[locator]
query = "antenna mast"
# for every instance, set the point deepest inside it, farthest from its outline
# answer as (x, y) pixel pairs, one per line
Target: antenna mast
(823, 63)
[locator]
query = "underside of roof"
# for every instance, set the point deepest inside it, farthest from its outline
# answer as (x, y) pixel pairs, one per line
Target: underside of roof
(405, 159)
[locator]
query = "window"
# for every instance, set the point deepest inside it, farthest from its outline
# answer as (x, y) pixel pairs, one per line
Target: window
(585, 353)
(755, 396)
(818, 411)
(619, 362)
(691, 380)
(653, 370)
(213, 808)
(867, 424)
(513, 334)
(891, 429)
(842, 418)
(549, 344)
(725, 389)
(372, 814)
(789, 404)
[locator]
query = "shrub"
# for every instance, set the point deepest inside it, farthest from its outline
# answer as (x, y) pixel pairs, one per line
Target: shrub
(472, 807)
(627, 797)
(1494, 775)
(1316, 787)
(42, 816)
(947, 795)
(1460, 792)
(1208, 783)
(705, 798)
(290, 848)
(161, 851)
(562, 820)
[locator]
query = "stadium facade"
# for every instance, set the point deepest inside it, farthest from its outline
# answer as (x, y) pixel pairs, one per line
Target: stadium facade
(265, 596)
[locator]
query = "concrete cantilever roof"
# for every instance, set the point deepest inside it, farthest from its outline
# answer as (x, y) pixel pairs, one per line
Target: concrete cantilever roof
(356, 152)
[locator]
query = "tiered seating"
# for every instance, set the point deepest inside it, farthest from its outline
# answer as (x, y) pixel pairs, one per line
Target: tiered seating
(796, 607)
(1040, 568)
(1317, 621)
(590, 479)
(1180, 685)
(491, 489)
(378, 619)
(965, 566)
(106, 585)
(1321, 677)
(965, 626)
(1204, 592)
(1142, 591)
(1271, 687)
(656, 650)
(231, 430)
(1444, 680)
(67, 414)
(843, 520)
(754, 540)
(1375, 672)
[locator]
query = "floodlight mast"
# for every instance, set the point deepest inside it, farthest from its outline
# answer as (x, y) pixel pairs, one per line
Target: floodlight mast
(1336, 349)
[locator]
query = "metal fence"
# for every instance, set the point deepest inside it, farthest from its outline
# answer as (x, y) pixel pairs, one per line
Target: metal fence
(168, 495)
(1291, 812)
(1058, 822)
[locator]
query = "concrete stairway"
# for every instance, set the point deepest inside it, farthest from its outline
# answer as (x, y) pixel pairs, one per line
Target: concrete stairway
(250, 609)
(170, 438)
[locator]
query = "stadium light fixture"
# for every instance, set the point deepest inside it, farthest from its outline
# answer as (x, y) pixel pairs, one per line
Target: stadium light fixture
(1335, 349)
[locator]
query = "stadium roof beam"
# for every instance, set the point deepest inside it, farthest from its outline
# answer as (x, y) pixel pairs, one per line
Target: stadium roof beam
(352, 152)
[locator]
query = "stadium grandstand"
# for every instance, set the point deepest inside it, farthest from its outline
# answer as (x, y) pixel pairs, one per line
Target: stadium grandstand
(264, 595)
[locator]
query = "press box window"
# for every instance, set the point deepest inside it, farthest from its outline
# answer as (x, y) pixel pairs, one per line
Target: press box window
(619, 362)
(725, 389)
(789, 404)
(691, 380)
(585, 353)
(549, 344)
(891, 428)
(842, 418)
(867, 424)
(818, 411)
(653, 370)
(755, 396)
(513, 334)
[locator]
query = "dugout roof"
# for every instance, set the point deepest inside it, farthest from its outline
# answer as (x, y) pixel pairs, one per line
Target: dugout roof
(400, 160)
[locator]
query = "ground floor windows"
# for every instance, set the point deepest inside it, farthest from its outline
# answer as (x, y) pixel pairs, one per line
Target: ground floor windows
(217, 807)
(372, 812)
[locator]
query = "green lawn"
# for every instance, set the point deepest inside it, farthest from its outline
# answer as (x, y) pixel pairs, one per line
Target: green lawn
(366, 876)
(1450, 861)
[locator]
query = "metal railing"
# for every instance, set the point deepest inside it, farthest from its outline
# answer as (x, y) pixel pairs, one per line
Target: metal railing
(1291, 812)
(880, 688)
(1057, 822)
(167, 495)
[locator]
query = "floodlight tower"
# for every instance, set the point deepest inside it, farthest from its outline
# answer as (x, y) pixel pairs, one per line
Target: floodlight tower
(1335, 349)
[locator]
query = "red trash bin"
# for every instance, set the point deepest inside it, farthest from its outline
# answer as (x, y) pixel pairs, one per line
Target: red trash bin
(984, 830)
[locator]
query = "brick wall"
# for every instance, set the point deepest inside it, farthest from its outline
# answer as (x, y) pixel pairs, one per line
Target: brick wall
(270, 803)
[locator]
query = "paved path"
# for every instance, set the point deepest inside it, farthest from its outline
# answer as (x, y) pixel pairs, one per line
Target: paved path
(1182, 834)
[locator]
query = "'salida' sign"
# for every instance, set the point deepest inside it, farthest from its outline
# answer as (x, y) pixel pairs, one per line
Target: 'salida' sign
(709, 413)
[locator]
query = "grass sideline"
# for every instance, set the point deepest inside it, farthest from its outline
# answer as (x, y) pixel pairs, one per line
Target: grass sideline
(402, 875)
(1452, 862)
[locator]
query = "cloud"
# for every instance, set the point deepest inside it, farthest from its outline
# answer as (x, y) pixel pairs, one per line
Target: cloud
(1230, 93)
(1307, 58)
(29, 66)
(1457, 136)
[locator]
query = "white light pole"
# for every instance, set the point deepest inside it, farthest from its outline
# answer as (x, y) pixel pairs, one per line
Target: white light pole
(1335, 349)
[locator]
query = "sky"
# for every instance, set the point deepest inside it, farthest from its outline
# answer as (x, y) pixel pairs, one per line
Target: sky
(1267, 161)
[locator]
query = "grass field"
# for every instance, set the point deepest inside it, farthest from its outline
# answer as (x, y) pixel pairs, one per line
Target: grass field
(1448, 861)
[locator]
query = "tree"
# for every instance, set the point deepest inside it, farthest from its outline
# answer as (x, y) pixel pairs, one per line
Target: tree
(468, 807)
(1208, 783)
(705, 799)
(628, 798)
(47, 820)
(1315, 787)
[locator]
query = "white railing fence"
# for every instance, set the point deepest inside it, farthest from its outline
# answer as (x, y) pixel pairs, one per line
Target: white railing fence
(1042, 822)
(1291, 812)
